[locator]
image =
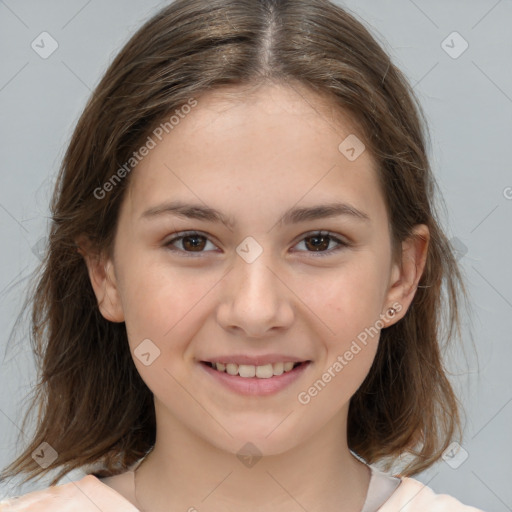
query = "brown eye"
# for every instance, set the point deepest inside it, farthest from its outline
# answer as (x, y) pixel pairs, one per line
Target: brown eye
(194, 242)
(189, 243)
(320, 242)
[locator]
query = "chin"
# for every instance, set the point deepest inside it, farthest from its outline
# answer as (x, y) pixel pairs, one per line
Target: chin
(256, 442)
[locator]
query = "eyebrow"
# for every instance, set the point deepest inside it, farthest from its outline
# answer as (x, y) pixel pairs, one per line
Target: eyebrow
(291, 216)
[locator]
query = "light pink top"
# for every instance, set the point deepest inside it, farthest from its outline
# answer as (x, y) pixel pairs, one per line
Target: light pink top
(385, 494)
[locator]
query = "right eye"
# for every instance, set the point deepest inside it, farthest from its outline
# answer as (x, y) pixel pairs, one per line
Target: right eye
(190, 241)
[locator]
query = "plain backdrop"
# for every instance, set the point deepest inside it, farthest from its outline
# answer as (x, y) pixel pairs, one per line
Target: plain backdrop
(464, 82)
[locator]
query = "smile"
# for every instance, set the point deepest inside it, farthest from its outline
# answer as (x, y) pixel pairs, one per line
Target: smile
(265, 371)
(257, 380)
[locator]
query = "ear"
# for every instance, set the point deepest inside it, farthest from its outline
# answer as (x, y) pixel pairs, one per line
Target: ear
(103, 281)
(406, 273)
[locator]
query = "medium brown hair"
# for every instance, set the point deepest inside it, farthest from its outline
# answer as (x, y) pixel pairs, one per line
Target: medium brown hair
(92, 405)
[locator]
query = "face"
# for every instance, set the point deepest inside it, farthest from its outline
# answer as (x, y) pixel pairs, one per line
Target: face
(238, 271)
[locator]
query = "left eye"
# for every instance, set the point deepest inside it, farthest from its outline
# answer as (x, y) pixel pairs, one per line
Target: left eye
(318, 242)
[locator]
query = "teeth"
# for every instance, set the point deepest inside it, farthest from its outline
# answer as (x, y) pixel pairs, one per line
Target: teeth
(265, 371)
(278, 368)
(231, 368)
(247, 370)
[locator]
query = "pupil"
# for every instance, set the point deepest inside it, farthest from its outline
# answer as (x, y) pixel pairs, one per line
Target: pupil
(196, 243)
(319, 242)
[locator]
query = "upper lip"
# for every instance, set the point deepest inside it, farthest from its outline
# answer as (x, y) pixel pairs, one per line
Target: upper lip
(255, 360)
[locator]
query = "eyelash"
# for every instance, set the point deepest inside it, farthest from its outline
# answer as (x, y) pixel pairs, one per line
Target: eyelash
(185, 234)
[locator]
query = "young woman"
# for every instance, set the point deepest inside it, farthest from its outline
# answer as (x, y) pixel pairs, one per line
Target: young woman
(241, 303)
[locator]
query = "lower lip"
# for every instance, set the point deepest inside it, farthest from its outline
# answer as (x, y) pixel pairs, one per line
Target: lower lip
(254, 385)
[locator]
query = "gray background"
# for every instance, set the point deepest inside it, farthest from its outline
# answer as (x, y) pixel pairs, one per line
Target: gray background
(468, 101)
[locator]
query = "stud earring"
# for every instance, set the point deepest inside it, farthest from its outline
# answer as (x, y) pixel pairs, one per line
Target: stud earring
(391, 312)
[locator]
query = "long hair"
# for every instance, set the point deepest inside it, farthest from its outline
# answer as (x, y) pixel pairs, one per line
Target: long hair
(92, 405)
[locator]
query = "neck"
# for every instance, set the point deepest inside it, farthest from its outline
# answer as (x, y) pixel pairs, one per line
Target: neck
(185, 472)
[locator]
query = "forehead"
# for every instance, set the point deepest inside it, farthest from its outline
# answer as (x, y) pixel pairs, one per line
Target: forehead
(264, 144)
(292, 99)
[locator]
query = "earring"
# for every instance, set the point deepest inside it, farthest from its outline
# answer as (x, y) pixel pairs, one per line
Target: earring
(391, 312)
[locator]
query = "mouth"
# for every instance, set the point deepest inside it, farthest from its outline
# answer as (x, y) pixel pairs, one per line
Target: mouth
(265, 371)
(265, 379)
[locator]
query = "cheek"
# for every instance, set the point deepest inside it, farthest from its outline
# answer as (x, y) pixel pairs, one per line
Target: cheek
(163, 310)
(348, 303)
(347, 299)
(163, 304)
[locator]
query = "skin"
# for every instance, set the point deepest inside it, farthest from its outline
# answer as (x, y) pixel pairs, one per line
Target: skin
(253, 156)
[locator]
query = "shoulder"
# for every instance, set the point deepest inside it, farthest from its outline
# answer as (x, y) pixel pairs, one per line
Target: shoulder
(88, 494)
(413, 496)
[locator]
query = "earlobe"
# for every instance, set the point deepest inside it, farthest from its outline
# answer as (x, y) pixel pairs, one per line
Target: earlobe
(407, 273)
(104, 283)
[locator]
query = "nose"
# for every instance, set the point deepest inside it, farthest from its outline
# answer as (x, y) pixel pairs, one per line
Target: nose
(255, 299)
